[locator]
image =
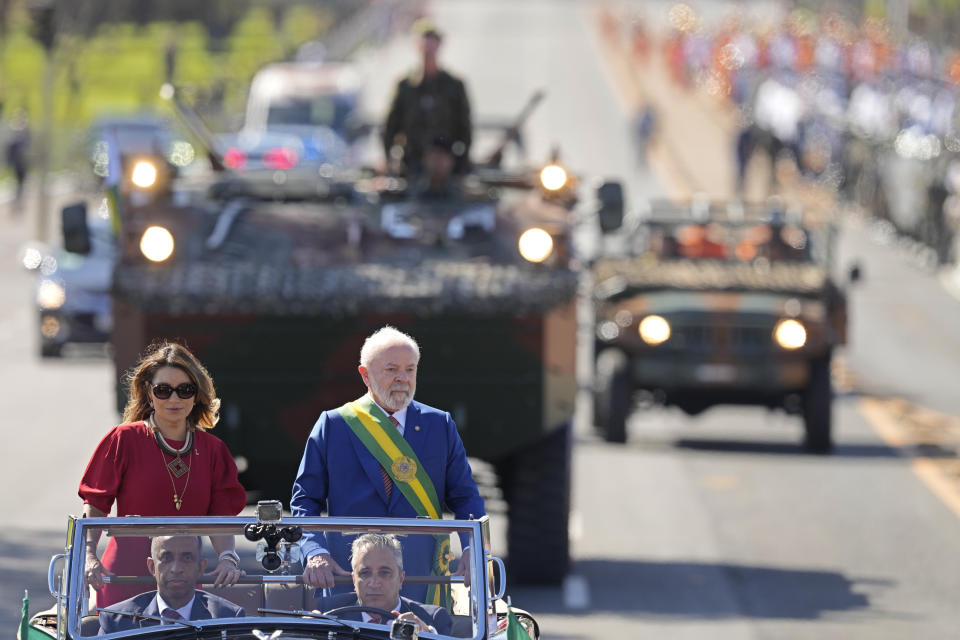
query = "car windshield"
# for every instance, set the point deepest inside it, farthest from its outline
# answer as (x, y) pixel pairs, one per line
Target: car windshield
(175, 555)
(323, 110)
(772, 241)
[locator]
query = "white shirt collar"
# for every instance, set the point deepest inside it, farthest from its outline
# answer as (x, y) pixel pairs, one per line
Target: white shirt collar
(366, 616)
(401, 415)
(184, 611)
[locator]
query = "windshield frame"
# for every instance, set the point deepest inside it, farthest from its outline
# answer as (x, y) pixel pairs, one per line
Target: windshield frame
(71, 594)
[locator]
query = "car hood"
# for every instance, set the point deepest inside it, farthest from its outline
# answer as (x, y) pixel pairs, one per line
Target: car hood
(621, 277)
(672, 303)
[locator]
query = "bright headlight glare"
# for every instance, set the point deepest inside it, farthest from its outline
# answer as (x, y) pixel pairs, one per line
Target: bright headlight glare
(535, 245)
(790, 334)
(553, 177)
(156, 244)
(50, 295)
(654, 330)
(144, 174)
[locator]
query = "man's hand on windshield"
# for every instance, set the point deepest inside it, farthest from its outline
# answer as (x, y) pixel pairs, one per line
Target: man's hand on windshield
(226, 573)
(320, 571)
(463, 569)
(94, 571)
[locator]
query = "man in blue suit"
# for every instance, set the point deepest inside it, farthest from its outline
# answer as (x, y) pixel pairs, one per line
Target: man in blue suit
(177, 563)
(345, 471)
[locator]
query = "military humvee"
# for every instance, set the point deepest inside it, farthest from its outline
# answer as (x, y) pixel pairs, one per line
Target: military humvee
(275, 277)
(706, 304)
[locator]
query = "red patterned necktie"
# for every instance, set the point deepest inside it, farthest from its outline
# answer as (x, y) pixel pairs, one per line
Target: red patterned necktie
(171, 614)
(387, 482)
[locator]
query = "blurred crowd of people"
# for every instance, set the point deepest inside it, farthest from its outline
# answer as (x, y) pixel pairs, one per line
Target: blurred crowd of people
(851, 106)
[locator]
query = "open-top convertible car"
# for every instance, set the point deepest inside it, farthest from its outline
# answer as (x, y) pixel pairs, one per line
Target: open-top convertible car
(270, 599)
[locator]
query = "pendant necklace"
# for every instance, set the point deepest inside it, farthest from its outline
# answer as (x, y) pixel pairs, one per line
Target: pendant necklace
(176, 467)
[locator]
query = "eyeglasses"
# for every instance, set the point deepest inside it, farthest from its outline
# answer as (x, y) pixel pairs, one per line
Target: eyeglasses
(184, 390)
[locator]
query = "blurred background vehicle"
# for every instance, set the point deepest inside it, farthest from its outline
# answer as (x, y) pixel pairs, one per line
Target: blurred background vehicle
(316, 102)
(719, 304)
(72, 291)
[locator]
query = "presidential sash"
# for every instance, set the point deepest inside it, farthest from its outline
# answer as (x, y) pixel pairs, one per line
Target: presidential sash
(382, 439)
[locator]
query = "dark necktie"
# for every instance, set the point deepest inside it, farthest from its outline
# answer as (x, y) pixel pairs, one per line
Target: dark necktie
(375, 619)
(387, 482)
(171, 614)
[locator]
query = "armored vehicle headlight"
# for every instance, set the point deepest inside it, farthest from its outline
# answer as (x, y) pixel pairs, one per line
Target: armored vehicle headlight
(144, 174)
(535, 245)
(790, 334)
(553, 177)
(654, 330)
(50, 295)
(156, 244)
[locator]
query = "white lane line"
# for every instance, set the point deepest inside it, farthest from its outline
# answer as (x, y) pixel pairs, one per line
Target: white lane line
(575, 525)
(576, 592)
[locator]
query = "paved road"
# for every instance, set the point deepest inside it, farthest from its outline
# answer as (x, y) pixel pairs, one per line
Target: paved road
(717, 527)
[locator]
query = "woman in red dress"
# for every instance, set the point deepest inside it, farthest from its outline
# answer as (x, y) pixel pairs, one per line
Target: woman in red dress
(161, 462)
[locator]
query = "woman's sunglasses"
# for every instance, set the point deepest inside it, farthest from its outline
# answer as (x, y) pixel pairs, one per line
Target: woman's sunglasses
(184, 390)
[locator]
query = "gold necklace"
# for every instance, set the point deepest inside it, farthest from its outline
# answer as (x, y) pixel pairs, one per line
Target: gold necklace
(176, 467)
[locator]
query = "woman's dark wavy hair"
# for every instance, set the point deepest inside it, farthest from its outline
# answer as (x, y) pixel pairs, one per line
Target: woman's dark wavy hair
(206, 404)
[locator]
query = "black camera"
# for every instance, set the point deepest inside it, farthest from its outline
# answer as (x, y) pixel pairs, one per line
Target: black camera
(404, 630)
(269, 511)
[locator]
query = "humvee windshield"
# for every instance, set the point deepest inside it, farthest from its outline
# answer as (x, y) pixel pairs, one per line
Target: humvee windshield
(726, 242)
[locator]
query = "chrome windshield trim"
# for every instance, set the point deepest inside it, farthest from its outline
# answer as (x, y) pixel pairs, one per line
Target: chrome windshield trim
(480, 602)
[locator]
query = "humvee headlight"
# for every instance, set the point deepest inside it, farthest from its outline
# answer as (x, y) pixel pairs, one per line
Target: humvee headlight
(535, 245)
(654, 330)
(50, 295)
(144, 174)
(156, 244)
(790, 334)
(553, 177)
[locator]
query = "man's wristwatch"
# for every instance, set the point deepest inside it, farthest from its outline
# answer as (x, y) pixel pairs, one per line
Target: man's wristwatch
(231, 556)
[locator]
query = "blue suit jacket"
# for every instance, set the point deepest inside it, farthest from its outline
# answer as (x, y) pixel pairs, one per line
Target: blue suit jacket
(437, 617)
(340, 476)
(206, 606)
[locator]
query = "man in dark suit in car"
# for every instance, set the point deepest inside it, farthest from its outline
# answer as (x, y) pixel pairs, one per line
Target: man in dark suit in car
(177, 564)
(377, 562)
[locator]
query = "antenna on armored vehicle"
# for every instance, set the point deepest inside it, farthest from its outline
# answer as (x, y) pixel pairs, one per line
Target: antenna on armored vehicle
(197, 127)
(512, 132)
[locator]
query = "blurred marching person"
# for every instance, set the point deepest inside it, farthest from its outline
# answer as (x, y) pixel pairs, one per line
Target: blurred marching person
(161, 462)
(17, 154)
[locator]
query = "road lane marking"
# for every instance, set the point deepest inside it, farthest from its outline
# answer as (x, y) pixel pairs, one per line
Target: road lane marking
(575, 525)
(910, 429)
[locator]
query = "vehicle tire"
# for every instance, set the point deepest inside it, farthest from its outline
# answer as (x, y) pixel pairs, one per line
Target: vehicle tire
(51, 349)
(817, 407)
(536, 486)
(611, 399)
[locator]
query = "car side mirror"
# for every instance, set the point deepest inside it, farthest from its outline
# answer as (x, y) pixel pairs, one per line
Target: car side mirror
(76, 233)
(610, 210)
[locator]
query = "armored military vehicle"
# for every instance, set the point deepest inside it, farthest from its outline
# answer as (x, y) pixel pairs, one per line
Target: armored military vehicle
(704, 304)
(275, 277)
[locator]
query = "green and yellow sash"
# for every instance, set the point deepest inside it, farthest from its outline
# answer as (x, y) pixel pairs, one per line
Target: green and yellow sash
(381, 438)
